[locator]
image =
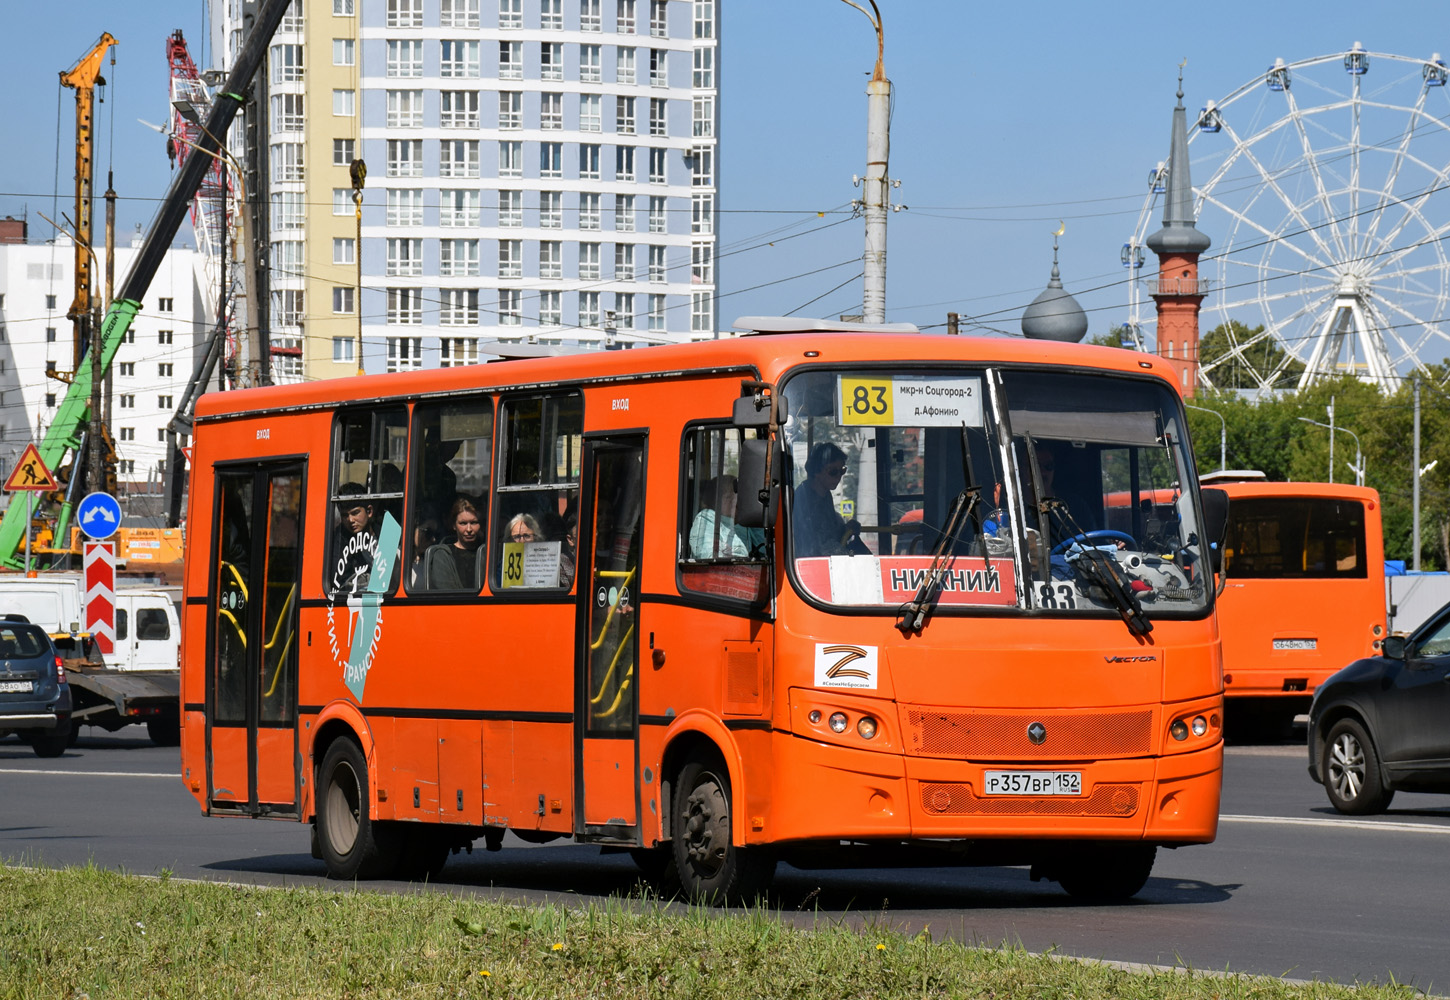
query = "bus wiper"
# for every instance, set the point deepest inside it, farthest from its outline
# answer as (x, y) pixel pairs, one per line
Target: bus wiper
(915, 612)
(1104, 571)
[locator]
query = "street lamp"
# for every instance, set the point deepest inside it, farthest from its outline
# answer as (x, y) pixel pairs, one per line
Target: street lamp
(1358, 465)
(1222, 435)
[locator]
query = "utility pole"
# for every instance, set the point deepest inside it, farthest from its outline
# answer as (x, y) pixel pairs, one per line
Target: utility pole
(1415, 471)
(1331, 439)
(874, 194)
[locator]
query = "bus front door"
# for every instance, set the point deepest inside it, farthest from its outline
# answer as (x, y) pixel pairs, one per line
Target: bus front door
(607, 708)
(251, 691)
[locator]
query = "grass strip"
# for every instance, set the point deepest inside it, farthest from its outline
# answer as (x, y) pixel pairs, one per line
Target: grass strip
(93, 934)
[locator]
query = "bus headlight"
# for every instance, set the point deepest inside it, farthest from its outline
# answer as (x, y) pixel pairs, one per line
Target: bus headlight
(1179, 730)
(815, 716)
(838, 722)
(1200, 725)
(866, 727)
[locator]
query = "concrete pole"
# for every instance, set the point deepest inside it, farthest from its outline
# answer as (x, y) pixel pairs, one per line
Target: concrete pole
(875, 199)
(1331, 439)
(874, 195)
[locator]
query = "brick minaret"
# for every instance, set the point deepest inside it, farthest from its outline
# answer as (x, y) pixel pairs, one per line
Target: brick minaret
(1178, 292)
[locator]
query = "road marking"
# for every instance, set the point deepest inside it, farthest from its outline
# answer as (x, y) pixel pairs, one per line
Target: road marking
(1348, 824)
(91, 774)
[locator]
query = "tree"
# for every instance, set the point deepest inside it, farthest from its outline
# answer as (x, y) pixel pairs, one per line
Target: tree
(1259, 360)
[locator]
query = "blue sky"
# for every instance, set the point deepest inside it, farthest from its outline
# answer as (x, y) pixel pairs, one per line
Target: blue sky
(1008, 117)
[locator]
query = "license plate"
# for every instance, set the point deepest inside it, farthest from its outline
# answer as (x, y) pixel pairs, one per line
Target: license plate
(16, 687)
(1296, 643)
(1034, 782)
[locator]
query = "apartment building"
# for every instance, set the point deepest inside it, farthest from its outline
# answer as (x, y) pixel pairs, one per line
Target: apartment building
(148, 375)
(542, 171)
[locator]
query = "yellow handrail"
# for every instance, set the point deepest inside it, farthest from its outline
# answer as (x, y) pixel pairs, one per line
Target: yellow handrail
(619, 695)
(281, 620)
(603, 684)
(611, 573)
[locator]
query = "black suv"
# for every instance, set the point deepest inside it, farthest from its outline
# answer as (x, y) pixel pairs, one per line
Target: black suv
(34, 696)
(1383, 723)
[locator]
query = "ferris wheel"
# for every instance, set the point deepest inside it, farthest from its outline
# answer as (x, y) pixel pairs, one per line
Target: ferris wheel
(1325, 187)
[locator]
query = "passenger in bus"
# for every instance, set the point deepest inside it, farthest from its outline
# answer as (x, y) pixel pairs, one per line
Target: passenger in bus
(818, 527)
(452, 564)
(713, 532)
(424, 538)
(569, 551)
(524, 528)
(357, 541)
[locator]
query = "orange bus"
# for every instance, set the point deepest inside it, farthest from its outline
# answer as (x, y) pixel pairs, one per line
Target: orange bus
(830, 597)
(1304, 566)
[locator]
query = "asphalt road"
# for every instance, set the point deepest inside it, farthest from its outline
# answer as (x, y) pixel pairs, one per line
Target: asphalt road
(1290, 888)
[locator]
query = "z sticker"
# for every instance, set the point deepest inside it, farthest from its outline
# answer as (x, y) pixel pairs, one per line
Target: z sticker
(844, 666)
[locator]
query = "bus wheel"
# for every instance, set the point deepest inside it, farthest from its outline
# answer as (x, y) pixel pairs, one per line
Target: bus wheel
(1351, 770)
(711, 867)
(353, 845)
(1108, 873)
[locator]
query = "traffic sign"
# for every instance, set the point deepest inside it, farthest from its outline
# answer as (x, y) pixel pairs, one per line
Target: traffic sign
(99, 562)
(30, 473)
(99, 515)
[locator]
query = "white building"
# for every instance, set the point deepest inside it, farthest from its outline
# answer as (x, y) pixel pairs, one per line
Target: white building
(538, 170)
(150, 371)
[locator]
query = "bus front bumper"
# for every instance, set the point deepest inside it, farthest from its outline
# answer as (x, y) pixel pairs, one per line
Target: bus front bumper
(830, 792)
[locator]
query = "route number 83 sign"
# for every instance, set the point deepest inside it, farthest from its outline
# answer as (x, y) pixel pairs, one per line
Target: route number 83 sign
(903, 401)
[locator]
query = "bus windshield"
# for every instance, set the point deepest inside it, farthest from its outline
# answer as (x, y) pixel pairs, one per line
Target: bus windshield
(1078, 488)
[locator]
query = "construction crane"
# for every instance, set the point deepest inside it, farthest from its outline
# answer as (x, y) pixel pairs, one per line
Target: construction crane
(66, 433)
(215, 216)
(84, 312)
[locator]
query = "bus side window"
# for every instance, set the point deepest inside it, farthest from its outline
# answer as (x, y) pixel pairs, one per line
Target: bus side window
(370, 451)
(452, 461)
(716, 555)
(541, 444)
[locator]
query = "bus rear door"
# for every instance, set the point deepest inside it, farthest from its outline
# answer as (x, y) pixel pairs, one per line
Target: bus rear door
(252, 758)
(607, 712)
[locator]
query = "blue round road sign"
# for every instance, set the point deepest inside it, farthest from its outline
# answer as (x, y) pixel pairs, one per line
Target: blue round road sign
(99, 515)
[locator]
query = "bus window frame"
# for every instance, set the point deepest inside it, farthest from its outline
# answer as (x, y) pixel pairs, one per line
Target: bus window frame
(994, 380)
(684, 517)
(505, 412)
(377, 498)
(417, 456)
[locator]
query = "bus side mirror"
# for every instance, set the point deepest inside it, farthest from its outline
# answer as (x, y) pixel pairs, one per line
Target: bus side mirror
(752, 408)
(755, 501)
(1395, 647)
(1215, 524)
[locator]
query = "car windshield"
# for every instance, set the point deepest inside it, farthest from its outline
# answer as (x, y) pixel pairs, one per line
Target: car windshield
(1078, 488)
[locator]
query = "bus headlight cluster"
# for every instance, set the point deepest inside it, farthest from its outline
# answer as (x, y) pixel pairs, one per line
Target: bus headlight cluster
(1180, 729)
(840, 722)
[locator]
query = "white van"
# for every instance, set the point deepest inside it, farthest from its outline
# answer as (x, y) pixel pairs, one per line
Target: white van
(148, 631)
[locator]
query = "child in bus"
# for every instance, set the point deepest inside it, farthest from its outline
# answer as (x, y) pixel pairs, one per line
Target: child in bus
(357, 545)
(452, 564)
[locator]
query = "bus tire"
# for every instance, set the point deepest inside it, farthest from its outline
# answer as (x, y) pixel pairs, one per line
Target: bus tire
(353, 844)
(710, 866)
(1351, 770)
(1108, 872)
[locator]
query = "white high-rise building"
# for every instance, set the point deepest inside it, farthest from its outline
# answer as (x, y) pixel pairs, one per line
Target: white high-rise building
(537, 170)
(151, 368)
